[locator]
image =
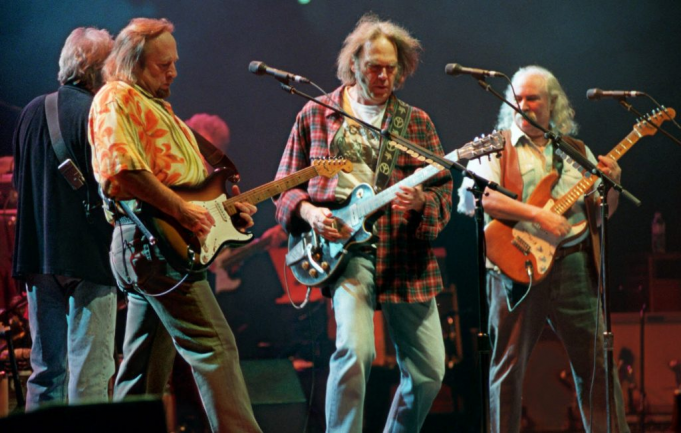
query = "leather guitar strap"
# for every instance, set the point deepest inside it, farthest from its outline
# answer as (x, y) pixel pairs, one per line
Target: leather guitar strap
(217, 158)
(74, 177)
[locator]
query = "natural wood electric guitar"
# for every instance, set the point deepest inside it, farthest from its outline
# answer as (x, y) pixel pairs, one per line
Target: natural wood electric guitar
(313, 259)
(521, 249)
(187, 253)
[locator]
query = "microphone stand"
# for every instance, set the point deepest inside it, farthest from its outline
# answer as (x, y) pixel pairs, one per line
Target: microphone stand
(627, 106)
(481, 183)
(483, 342)
(606, 183)
(412, 148)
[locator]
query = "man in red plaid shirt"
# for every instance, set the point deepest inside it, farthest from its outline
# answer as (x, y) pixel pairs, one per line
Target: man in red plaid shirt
(400, 272)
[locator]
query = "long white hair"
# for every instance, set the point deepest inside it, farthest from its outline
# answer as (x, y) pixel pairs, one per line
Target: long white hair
(562, 114)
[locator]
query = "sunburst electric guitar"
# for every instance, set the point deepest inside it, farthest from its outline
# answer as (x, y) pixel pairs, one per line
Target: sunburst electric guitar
(313, 259)
(187, 253)
(522, 250)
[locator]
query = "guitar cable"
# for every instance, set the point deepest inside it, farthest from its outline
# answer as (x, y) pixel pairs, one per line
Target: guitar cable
(288, 292)
(127, 245)
(530, 273)
(192, 255)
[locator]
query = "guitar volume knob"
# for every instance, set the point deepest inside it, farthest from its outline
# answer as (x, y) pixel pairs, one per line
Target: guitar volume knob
(305, 265)
(313, 273)
(325, 266)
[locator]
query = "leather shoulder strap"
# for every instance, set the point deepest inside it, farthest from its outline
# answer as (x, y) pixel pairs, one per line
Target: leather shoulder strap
(52, 114)
(217, 158)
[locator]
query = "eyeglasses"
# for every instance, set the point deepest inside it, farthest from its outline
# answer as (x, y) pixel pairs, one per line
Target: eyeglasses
(377, 69)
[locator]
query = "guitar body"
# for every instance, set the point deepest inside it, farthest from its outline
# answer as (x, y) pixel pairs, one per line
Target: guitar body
(313, 259)
(181, 247)
(521, 247)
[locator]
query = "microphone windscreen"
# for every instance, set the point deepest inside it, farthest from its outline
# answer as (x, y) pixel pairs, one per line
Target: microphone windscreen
(593, 94)
(452, 69)
(256, 67)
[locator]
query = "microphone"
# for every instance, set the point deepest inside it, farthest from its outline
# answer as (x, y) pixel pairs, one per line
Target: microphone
(618, 94)
(260, 68)
(456, 69)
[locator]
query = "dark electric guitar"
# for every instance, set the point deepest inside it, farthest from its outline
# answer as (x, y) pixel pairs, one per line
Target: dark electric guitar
(186, 252)
(313, 259)
(522, 250)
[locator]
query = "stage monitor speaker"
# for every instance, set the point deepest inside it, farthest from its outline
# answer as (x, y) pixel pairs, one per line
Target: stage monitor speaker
(141, 415)
(276, 395)
(548, 392)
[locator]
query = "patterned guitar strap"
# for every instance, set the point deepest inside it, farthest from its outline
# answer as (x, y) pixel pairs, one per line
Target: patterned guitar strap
(388, 153)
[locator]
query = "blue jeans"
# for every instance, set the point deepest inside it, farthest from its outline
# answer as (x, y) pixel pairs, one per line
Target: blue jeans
(417, 334)
(72, 326)
(187, 320)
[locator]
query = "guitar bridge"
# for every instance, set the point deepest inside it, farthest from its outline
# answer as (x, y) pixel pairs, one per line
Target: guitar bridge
(523, 246)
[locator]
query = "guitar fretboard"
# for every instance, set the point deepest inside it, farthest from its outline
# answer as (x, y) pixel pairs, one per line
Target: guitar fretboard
(270, 189)
(569, 199)
(369, 206)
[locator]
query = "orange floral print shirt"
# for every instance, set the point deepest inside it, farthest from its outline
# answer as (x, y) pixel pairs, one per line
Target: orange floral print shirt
(129, 129)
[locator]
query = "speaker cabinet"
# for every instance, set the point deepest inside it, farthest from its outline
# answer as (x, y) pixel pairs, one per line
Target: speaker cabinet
(131, 416)
(277, 398)
(661, 346)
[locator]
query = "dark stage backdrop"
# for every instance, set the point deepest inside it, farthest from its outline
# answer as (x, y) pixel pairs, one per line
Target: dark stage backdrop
(607, 44)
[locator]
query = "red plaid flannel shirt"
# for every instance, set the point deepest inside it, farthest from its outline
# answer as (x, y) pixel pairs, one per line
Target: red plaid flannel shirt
(406, 268)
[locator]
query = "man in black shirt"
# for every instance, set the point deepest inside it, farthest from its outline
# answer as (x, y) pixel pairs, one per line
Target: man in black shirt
(62, 238)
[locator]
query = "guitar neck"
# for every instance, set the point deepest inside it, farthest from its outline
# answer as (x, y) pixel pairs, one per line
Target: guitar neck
(571, 197)
(376, 202)
(270, 189)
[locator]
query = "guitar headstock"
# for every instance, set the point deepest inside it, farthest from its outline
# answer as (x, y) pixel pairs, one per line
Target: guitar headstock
(657, 117)
(483, 145)
(329, 167)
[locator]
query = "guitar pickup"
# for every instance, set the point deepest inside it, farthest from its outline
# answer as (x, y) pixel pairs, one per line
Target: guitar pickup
(523, 246)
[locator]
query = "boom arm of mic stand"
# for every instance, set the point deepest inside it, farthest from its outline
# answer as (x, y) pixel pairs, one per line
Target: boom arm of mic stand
(406, 143)
(569, 150)
(627, 106)
(481, 183)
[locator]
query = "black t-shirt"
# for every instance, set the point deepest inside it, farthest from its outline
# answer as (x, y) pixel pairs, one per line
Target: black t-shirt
(53, 235)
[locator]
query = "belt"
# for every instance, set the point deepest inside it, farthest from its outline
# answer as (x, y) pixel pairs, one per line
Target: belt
(564, 252)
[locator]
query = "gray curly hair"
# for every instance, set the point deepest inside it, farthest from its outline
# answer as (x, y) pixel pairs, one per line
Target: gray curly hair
(562, 114)
(128, 49)
(368, 28)
(82, 57)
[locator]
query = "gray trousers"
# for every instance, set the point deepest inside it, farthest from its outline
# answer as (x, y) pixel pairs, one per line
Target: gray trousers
(567, 299)
(189, 320)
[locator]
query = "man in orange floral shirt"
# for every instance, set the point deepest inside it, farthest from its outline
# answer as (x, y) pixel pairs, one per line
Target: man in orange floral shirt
(140, 150)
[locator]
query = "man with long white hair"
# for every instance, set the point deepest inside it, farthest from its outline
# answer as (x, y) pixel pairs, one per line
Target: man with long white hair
(567, 298)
